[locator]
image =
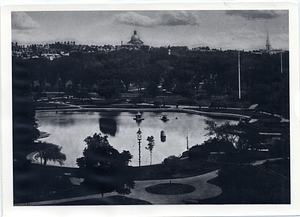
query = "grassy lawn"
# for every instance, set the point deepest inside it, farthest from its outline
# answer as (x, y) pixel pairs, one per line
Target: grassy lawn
(251, 185)
(34, 183)
(114, 200)
(185, 168)
(280, 166)
(245, 112)
(245, 185)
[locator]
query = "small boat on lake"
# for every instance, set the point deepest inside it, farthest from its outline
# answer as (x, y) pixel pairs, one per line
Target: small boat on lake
(138, 117)
(164, 118)
(245, 119)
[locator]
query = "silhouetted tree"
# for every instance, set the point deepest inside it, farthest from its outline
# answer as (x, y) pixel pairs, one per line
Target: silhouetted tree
(50, 152)
(150, 146)
(172, 162)
(152, 89)
(199, 151)
(24, 124)
(104, 168)
(242, 136)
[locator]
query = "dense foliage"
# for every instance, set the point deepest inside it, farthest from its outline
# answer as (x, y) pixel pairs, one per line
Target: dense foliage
(246, 184)
(242, 135)
(191, 74)
(231, 142)
(212, 145)
(172, 162)
(24, 124)
(104, 168)
(50, 152)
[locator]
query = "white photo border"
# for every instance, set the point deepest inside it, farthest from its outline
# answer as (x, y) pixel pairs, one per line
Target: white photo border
(141, 210)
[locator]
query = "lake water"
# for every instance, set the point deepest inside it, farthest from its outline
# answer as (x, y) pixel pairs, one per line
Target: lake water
(69, 129)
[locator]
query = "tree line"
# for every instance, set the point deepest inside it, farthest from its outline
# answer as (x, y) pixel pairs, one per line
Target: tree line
(264, 77)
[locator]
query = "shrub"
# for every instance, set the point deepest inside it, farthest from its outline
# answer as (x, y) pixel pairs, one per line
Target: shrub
(186, 102)
(218, 103)
(199, 151)
(172, 162)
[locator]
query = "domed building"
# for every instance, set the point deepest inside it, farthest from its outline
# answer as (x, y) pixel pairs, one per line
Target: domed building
(135, 40)
(135, 43)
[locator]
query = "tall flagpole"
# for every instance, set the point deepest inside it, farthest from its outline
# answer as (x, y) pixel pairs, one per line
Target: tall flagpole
(239, 74)
(281, 70)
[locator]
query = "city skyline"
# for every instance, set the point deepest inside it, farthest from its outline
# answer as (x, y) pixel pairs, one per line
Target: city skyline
(242, 29)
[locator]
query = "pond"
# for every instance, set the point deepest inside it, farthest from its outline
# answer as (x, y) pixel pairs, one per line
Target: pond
(69, 129)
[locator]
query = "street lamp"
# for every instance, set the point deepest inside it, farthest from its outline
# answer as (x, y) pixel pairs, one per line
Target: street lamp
(139, 138)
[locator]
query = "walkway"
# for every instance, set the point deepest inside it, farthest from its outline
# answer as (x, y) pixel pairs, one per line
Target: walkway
(169, 108)
(203, 190)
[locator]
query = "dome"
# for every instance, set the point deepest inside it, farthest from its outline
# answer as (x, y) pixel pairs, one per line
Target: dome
(135, 39)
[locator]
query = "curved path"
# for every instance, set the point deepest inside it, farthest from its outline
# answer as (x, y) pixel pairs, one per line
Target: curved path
(32, 157)
(203, 190)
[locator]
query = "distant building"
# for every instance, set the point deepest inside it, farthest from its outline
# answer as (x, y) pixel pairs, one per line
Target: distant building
(135, 40)
(202, 49)
(268, 49)
(135, 43)
(268, 45)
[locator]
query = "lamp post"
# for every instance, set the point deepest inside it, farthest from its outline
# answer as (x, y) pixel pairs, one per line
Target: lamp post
(139, 138)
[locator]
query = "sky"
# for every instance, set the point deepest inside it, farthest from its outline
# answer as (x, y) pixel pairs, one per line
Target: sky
(239, 29)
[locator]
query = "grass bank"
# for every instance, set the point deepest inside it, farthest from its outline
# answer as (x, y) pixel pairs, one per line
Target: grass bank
(253, 185)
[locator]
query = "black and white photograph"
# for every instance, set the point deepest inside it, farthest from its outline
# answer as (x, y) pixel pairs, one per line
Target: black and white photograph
(150, 107)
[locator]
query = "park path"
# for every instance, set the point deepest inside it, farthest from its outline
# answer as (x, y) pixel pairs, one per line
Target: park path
(203, 190)
(170, 108)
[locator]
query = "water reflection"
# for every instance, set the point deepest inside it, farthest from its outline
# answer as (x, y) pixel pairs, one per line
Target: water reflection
(108, 126)
(57, 119)
(163, 136)
(70, 129)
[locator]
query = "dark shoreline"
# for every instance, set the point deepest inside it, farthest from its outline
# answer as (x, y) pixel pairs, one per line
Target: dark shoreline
(215, 113)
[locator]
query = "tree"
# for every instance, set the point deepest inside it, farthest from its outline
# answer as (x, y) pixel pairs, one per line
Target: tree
(152, 89)
(25, 130)
(215, 145)
(227, 131)
(150, 146)
(281, 148)
(104, 168)
(108, 88)
(50, 152)
(172, 162)
(198, 151)
(218, 103)
(242, 136)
